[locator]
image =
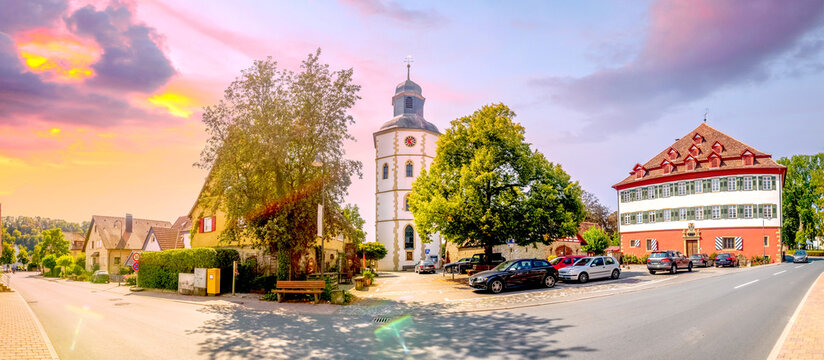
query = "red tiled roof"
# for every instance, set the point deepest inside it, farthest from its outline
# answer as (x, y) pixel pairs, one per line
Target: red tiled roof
(166, 237)
(730, 156)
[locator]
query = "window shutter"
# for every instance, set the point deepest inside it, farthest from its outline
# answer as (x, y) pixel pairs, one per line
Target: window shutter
(659, 216)
(707, 185)
(646, 218)
(758, 210)
(691, 213)
(201, 226)
(723, 184)
(691, 187)
(773, 183)
(760, 181)
(740, 211)
(707, 212)
(214, 222)
(739, 183)
(775, 211)
(723, 212)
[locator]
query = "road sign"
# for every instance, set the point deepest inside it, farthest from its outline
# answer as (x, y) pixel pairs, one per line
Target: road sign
(426, 251)
(136, 257)
(135, 267)
(510, 242)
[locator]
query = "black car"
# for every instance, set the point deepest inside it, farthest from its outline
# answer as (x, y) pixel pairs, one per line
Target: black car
(515, 273)
(461, 266)
(726, 259)
(456, 267)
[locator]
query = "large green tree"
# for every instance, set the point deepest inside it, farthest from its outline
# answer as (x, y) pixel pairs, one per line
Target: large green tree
(486, 185)
(275, 151)
(54, 243)
(597, 240)
(23, 256)
(7, 257)
(803, 199)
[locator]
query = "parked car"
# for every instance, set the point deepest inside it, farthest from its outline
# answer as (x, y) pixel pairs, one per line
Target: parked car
(515, 273)
(425, 266)
(561, 262)
(800, 256)
(726, 259)
(668, 260)
(480, 259)
(455, 267)
(592, 267)
(701, 259)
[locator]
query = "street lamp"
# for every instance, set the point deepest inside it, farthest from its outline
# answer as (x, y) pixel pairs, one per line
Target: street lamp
(319, 163)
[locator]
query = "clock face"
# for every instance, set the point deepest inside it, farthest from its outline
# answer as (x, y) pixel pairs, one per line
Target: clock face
(410, 141)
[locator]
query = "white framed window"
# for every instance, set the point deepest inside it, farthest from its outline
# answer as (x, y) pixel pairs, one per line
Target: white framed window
(624, 196)
(716, 185)
(665, 190)
(682, 214)
(682, 188)
(747, 183)
(635, 243)
(638, 194)
(731, 183)
(748, 211)
(767, 183)
(767, 211)
(699, 213)
(207, 224)
(651, 216)
(699, 186)
(627, 219)
(639, 218)
(651, 192)
(732, 211)
(716, 212)
(667, 214)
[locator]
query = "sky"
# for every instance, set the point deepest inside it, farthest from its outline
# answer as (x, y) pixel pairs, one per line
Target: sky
(101, 102)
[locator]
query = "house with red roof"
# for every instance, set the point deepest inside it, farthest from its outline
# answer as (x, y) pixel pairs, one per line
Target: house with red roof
(706, 193)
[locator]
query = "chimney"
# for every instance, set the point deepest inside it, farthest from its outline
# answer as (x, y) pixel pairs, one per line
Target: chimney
(128, 223)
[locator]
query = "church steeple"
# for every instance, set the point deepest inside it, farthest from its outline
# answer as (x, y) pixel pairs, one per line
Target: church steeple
(407, 104)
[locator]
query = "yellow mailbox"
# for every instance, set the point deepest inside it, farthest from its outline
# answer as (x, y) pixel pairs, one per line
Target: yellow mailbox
(212, 281)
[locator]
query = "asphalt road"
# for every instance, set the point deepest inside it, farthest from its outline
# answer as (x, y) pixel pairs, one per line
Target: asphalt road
(739, 315)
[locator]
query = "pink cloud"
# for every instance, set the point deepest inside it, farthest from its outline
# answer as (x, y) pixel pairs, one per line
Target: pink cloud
(693, 48)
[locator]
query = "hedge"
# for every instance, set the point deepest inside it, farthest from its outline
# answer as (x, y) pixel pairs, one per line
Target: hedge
(160, 269)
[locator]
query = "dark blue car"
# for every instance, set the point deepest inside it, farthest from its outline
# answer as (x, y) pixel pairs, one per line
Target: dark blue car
(726, 259)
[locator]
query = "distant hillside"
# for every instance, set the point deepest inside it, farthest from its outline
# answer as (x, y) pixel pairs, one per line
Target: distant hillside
(25, 230)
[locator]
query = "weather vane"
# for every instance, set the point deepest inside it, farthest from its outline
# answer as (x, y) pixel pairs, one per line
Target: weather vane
(706, 114)
(408, 60)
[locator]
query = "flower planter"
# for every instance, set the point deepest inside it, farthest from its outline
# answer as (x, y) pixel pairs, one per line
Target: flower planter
(360, 283)
(368, 281)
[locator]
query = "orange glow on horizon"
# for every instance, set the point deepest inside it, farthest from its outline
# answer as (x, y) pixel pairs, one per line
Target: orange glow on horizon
(65, 57)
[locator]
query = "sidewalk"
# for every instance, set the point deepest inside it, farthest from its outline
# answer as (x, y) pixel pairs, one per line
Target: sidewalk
(23, 337)
(805, 336)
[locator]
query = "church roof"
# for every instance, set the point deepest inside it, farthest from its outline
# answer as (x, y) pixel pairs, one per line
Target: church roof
(410, 121)
(408, 86)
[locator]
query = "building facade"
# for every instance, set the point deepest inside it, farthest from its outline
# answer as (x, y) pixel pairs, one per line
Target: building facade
(404, 146)
(707, 193)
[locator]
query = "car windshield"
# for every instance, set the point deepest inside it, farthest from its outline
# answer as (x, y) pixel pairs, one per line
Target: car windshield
(502, 266)
(696, 256)
(801, 252)
(464, 260)
(555, 261)
(583, 262)
(723, 256)
(658, 255)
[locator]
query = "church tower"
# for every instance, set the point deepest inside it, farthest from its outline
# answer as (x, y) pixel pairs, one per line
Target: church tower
(403, 147)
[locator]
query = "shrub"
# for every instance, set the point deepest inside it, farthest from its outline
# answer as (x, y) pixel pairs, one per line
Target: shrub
(83, 277)
(126, 270)
(265, 283)
(50, 262)
(100, 279)
(327, 289)
(368, 274)
(77, 269)
(32, 266)
(130, 280)
(815, 252)
(550, 257)
(643, 259)
(80, 260)
(160, 269)
(713, 256)
(742, 260)
(270, 296)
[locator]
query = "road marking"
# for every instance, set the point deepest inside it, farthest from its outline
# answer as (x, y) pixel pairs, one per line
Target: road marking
(780, 272)
(799, 266)
(745, 284)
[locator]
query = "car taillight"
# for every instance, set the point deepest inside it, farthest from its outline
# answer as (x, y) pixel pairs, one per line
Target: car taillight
(665, 259)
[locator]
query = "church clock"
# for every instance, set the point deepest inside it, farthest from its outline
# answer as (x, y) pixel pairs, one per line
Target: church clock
(410, 141)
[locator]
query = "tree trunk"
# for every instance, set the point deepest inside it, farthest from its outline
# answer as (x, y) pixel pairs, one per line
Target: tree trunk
(487, 254)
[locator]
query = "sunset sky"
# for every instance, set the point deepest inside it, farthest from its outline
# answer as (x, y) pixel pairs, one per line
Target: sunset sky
(100, 102)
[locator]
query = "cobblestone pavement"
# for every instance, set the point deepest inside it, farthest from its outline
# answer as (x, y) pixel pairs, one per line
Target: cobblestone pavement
(404, 293)
(21, 333)
(806, 333)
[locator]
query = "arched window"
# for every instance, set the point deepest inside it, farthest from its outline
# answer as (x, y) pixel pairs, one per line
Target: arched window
(409, 169)
(407, 103)
(408, 238)
(385, 171)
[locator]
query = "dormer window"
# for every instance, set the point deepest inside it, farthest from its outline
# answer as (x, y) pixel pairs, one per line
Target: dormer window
(748, 158)
(717, 147)
(667, 168)
(407, 102)
(694, 150)
(672, 154)
(697, 139)
(690, 163)
(639, 173)
(715, 161)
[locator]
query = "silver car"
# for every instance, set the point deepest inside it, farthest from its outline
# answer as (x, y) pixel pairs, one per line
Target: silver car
(593, 267)
(800, 256)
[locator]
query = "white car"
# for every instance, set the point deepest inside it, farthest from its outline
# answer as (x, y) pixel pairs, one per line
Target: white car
(592, 267)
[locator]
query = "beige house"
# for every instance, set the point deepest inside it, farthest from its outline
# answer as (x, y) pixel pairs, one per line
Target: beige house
(110, 240)
(76, 241)
(176, 237)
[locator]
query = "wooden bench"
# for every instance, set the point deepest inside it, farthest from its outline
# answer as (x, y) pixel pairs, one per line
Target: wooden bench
(300, 287)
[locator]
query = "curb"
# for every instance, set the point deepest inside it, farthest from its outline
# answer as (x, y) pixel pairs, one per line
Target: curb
(40, 327)
(780, 343)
